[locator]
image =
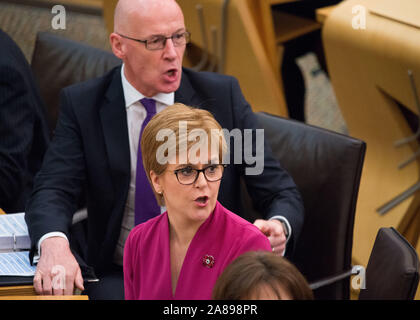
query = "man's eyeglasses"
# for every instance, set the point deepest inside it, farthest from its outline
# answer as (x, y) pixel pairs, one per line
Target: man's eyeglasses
(189, 175)
(159, 42)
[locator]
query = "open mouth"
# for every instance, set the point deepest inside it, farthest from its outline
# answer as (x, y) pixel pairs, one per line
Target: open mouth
(202, 201)
(171, 73)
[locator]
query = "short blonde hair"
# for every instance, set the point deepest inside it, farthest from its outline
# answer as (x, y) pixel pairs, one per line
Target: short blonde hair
(169, 119)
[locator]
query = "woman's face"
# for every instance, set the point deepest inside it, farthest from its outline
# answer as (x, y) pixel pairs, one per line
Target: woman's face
(193, 202)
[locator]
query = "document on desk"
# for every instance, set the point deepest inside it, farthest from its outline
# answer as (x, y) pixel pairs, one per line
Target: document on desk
(16, 264)
(14, 232)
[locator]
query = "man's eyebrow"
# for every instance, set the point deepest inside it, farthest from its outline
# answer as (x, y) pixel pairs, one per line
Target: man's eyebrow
(162, 35)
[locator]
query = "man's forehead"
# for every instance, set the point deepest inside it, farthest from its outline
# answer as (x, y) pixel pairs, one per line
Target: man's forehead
(148, 17)
(157, 19)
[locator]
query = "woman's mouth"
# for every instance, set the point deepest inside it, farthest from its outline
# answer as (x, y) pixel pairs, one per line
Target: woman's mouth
(202, 201)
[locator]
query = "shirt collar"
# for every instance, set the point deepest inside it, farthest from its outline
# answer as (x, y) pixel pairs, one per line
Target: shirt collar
(131, 95)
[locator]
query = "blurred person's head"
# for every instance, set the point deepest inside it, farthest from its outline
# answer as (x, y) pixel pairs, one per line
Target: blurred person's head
(176, 143)
(261, 275)
(156, 66)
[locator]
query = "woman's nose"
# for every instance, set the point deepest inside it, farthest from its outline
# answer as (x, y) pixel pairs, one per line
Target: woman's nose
(201, 180)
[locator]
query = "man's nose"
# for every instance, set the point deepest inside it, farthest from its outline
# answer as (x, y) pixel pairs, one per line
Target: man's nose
(169, 49)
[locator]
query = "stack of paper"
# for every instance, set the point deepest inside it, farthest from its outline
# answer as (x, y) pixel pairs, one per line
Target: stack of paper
(14, 238)
(13, 233)
(16, 264)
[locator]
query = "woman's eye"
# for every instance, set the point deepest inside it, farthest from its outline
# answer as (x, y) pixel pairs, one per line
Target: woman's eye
(211, 169)
(186, 171)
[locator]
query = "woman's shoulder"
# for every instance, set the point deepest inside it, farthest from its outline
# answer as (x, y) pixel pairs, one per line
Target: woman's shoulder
(147, 228)
(243, 235)
(238, 223)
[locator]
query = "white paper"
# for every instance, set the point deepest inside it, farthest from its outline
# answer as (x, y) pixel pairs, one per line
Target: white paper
(14, 232)
(16, 264)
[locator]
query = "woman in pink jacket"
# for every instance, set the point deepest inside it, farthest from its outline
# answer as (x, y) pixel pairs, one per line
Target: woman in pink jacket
(181, 253)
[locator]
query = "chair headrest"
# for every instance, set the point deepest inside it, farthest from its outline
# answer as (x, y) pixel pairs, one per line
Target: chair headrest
(58, 62)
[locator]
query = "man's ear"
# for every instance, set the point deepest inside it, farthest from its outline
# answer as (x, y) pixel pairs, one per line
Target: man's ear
(116, 45)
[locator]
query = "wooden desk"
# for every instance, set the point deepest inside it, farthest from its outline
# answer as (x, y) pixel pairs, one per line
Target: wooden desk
(244, 55)
(27, 290)
(97, 4)
(323, 13)
(368, 70)
(28, 293)
(278, 27)
(44, 297)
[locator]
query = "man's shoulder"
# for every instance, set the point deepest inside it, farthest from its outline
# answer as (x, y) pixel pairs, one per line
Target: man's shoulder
(11, 57)
(206, 78)
(96, 84)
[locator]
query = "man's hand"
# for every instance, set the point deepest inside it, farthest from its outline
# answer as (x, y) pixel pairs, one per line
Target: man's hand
(57, 271)
(273, 229)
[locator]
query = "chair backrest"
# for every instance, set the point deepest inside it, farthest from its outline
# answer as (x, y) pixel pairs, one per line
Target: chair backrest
(326, 167)
(58, 62)
(393, 269)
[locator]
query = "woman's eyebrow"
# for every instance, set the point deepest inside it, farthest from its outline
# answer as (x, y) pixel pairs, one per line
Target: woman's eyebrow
(185, 165)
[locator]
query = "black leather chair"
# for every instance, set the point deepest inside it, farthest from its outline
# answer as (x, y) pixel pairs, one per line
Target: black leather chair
(392, 272)
(58, 62)
(326, 167)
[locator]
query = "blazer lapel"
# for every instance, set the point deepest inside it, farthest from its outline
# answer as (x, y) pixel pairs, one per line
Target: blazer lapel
(186, 93)
(114, 124)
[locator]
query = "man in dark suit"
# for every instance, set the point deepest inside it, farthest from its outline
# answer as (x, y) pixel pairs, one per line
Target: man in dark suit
(23, 127)
(95, 146)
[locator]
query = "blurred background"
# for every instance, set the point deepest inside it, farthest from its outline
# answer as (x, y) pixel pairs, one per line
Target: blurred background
(23, 19)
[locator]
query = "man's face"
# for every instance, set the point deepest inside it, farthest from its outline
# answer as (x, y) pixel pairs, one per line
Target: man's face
(154, 71)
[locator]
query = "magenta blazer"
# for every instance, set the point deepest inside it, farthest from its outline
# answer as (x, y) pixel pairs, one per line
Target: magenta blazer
(218, 241)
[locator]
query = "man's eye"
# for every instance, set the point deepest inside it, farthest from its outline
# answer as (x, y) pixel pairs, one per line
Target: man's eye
(178, 36)
(155, 40)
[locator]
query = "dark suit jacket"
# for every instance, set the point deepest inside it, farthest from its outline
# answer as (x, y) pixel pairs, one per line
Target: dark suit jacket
(90, 153)
(23, 128)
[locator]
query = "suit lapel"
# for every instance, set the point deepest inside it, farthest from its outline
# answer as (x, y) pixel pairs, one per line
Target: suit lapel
(114, 124)
(186, 93)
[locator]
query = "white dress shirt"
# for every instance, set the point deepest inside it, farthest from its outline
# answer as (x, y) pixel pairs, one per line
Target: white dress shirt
(136, 113)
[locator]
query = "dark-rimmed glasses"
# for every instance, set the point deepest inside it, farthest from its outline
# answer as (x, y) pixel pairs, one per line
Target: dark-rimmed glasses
(158, 42)
(189, 175)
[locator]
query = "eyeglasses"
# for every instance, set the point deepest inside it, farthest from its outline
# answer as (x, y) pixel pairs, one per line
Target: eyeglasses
(159, 42)
(189, 175)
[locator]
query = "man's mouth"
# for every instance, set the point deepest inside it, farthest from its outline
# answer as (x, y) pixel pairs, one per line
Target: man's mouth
(171, 73)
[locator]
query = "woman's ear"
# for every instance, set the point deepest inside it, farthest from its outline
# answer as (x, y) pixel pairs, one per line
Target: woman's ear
(156, 182)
